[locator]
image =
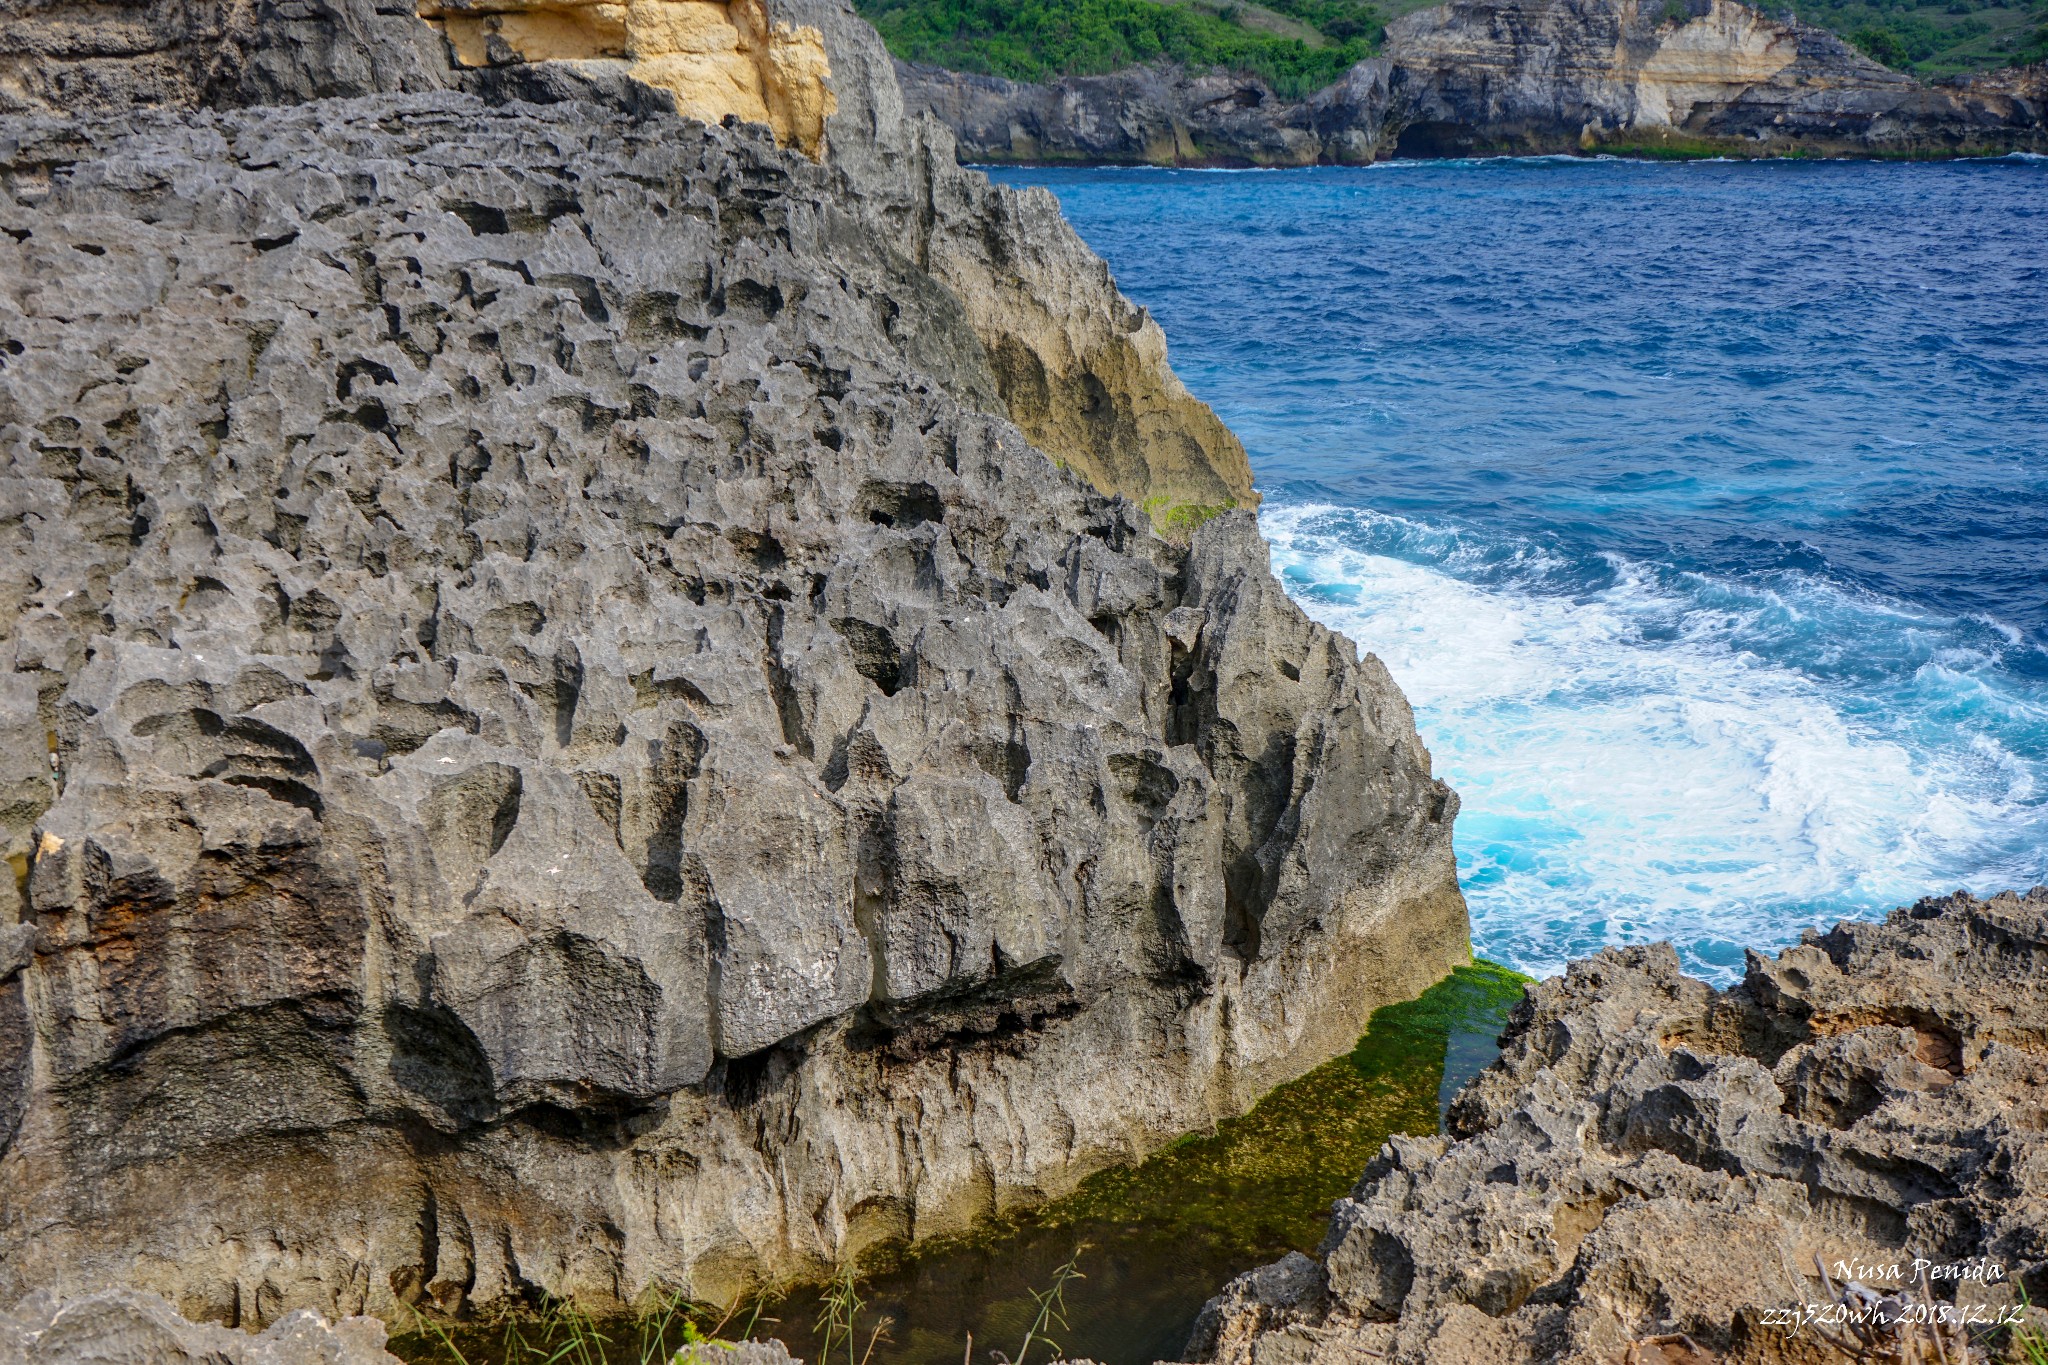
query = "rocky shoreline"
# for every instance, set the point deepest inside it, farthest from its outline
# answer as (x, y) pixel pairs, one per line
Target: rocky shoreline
(1654, 1171)
(1511, 77)
(619, 679)
(1658, 1171)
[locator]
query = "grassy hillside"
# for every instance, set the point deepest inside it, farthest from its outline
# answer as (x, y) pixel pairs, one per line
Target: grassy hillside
(1938, 39)
(1301, 45)
(1296, 45)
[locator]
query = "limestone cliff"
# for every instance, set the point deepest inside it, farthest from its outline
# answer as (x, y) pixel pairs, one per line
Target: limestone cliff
(1484, 77)
(1655, 1170)
(555, 734)
(713, 57)
(1082, 370)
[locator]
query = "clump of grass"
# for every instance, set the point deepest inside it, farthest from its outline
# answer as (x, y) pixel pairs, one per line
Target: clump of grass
(2027, 1342)
(1052, 1308)
(1179, 521)
(672, 1330)
(839, 1321)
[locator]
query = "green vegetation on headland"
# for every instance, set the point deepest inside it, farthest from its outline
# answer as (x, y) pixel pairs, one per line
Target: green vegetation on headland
(1936, 38)
(1156, 1239)
(1299, 46)
(1295, 46)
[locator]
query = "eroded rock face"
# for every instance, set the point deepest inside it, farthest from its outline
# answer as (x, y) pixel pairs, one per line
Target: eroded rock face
(592, 753)
(1651, 1157)
(1487, 77)
(122, 1327)
(1081, 369)
(714, 57)
(81, 57)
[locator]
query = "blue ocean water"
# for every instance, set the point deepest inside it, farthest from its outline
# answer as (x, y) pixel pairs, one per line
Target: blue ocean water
(1701, 510)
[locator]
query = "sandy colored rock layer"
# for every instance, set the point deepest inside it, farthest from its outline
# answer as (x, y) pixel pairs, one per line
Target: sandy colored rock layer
(714, 57)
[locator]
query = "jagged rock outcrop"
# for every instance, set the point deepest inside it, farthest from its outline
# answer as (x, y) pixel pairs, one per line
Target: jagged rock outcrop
(1489, 77)
(558, 738)
(83, 58)
(1082, 370)
(1653, 1159)
(117, 1327)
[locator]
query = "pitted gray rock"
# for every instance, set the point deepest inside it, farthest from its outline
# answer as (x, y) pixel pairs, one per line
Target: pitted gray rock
(1653, 1160)
(122, 1327)
(591, 752)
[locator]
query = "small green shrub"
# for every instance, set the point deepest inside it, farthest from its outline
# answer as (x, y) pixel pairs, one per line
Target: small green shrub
(1882, 45)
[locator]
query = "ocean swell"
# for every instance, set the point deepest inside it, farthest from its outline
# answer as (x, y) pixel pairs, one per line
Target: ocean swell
(1646, 752)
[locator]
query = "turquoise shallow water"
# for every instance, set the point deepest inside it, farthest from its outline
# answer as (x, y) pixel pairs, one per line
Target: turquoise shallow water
(1702, 510)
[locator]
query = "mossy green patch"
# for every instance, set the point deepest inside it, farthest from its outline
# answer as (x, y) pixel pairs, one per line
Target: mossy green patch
(1160, 1237)
(1266, 1179)
(1179, 521)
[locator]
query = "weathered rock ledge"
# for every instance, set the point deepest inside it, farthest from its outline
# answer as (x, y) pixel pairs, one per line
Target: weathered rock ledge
(1653, 1159)
(578, 712)
(123, 1327)
(1511, 77)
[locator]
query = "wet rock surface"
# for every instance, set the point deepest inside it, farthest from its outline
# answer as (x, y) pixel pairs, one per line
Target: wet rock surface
(1514, 77)
(1652, 1160)
(559, 739)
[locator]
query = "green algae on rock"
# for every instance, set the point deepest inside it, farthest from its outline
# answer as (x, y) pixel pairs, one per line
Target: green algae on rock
(1155, 1238)
(1258, 1186)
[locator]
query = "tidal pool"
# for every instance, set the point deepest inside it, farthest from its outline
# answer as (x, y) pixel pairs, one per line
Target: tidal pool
(1152, 1242)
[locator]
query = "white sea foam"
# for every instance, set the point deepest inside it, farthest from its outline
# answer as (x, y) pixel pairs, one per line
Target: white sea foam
(1635, 765)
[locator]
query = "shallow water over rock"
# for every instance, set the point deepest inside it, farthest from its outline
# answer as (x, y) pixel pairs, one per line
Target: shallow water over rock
(1154, 1241)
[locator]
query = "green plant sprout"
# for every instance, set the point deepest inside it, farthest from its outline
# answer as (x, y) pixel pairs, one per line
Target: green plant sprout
(1052, 1307)
(838, 1320)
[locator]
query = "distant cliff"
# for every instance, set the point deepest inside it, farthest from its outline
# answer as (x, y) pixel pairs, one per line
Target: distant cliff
(1487, 77)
